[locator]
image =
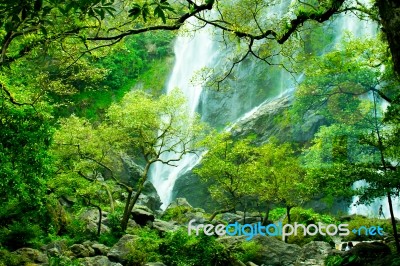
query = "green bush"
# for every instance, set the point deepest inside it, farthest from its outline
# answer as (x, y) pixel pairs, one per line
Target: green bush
(176, 214)
(248, 251)
(276, 214)
(76, 230)
(309, 216)
(108, 239)
(114, 222)
(333, 260)
(19, 234)
(359, 221)
(145, 248)
(180, 249)
(9, 259)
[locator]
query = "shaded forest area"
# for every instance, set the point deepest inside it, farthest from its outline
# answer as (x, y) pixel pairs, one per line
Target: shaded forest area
(82, 89)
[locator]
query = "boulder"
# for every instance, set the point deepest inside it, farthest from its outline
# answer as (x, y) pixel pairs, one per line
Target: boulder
(152, 201)
(196, 192)
(155, 264)
(366, 254)
(198, 216)
(121, 249)
(142, 216)
(100, 249)
(91, 217)
(56, 248)
(30, 255)
(230, 217)
(97, 261)
(180, 202)
(275, 252)
(272, 252)
(314, 254)
(81, 251)
(163, 226)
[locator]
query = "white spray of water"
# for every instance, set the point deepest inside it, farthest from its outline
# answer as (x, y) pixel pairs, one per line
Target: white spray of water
(192, 54)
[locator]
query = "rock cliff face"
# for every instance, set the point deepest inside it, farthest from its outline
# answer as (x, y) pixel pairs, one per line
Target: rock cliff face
(262, 123)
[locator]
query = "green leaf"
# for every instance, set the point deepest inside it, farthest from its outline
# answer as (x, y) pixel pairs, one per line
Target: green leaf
(100, 12)
(135, 11)
(145, 11)
(160, 13)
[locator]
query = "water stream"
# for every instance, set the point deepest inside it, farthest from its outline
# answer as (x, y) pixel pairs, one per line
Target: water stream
(192, 54)
(203, 50)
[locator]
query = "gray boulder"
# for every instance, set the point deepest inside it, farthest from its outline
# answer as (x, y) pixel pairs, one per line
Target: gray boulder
(142, 216)
(314, 254)
(155, 264)
(98, 261)
(272, 252)
(30, 255)
(180, 202)
(230, 217)
(81, 251)
(56, 248)
(100, 249)
(121, 249)
(91, 217)
(130, 174)
(163, 226)
(275, 252)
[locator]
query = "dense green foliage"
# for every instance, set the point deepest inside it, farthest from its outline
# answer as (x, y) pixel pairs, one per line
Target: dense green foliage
(81, 89)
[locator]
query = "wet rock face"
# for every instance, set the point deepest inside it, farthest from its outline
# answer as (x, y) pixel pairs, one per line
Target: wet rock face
(195, 191)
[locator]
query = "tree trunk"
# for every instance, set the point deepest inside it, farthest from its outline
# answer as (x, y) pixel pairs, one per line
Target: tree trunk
(288, 208)
(110, 197)
(265, 220)
(389, 11)
(396, 237)
(131, 203)
(100, 217)
(125, 217)
(383, 161)
(219, 212)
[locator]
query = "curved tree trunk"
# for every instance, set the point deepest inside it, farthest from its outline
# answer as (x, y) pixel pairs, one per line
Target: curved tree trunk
(389, 11)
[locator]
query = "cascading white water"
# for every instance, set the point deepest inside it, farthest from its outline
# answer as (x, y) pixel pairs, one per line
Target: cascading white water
(201, 50)
(192, 54)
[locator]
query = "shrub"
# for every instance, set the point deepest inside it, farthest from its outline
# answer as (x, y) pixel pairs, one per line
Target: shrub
(19, 234)
(179, 249)
(248, 251)
(359, 221)
(276, 214)
(9, 259)
(333, 260)
(309, 216)
(177, 214)
(145, 248)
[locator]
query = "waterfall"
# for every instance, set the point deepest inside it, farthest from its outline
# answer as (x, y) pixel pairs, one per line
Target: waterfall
(253, 84)
(193, 53)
